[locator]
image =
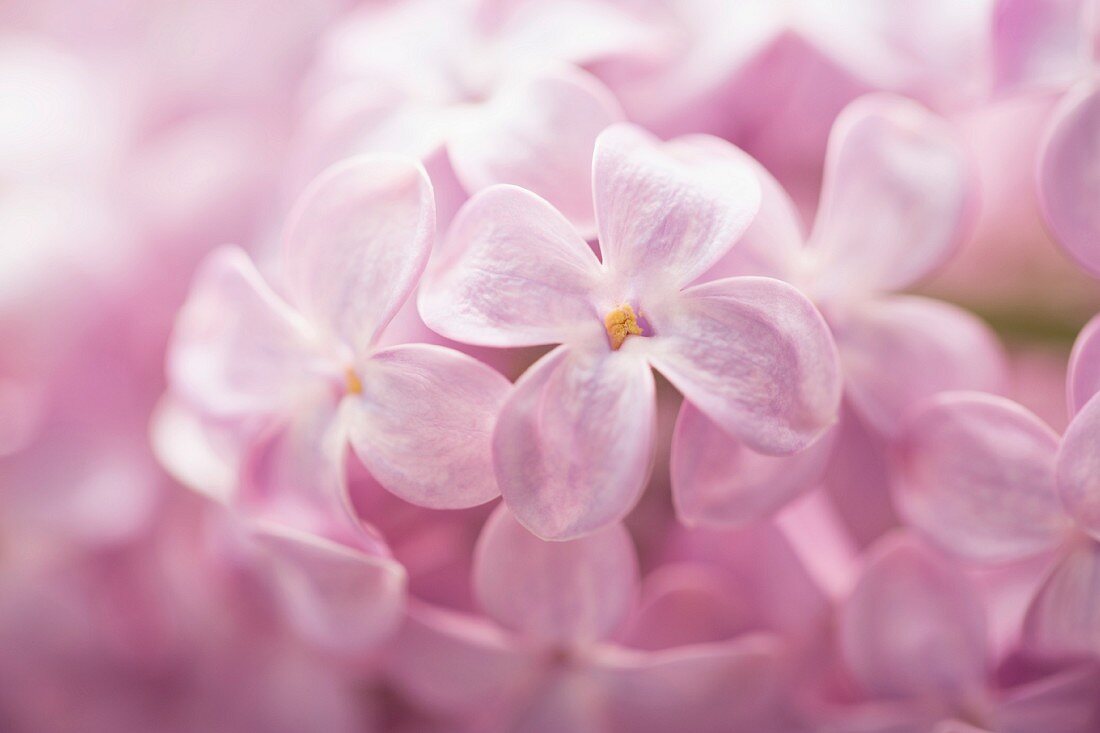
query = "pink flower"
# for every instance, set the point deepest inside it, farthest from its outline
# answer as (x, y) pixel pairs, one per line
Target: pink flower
(1044, 46)
(266, 395)
(896, 202)
(1068, 184)
(541, 660)
(913, 634)
(418, 416)
(989, 480)
(772, 76)
(494, 84)
(575, 440)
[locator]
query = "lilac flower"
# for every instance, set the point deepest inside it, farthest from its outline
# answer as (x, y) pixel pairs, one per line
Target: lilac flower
(574, 442)
(985, 478)
(913, 634)
(496, 85)
(1042, 46)
(418, 416)
(266, 395)
(896, 203)
(541, 659)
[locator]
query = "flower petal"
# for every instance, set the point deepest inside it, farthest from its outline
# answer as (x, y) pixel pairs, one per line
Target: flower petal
(1064, 617)
(513, 272)
(722, 686)
(539, 132)
(1038, 43)
(457, 664)
(181, 442)
(896, 200)
(668, 211)
(686, 603)
(755, 356)
(773, 245)
(976, 474)
(899, 351)
(340, 598)
(292, 475)
(1068, 184)
(356, 244)
(913, 626)
(857, 480)
(1078, 468)
(562, 592)
(424, 423)
(1083, 375)
(760, 561)
(574, 443)
(237, 349)
(717, 480)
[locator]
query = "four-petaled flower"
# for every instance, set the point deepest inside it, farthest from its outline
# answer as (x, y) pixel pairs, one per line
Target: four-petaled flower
(988, 479)
(896, 202)
(574, 442)
(309, 373)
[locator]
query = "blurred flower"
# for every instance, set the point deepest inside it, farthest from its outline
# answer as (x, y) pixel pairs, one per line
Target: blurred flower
(913, 633)
(987, 479)
(896, 202)
(541, 662)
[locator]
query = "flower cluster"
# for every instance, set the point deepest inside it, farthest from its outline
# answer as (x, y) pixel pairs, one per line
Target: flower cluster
(550, 365)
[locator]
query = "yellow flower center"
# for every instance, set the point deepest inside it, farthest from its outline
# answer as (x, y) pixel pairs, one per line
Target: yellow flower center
(621, 323)
(352, 383)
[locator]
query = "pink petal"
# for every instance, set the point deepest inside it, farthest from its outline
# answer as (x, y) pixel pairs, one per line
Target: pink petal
(237, 348)
(668, 211)
(857, 480)
(513, 272)
(771, 579)
(1038, 43)
(457, 664)
(1068, 183)
(1083, 375)
(773, 245)
(539, 132)
(574, 442)
(561, 592)
(356, 244)
(913, 626)
(976, 473)
(424, 423)
(1064, 617)
(716, 479)
(896, 200)
(336, 596)
(726, 686)
(1078, 468)
(935, 49)
(1065, 702)
(181, 442)
(899, 351)
(755, 356)
(292, 475)
(688, 603)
